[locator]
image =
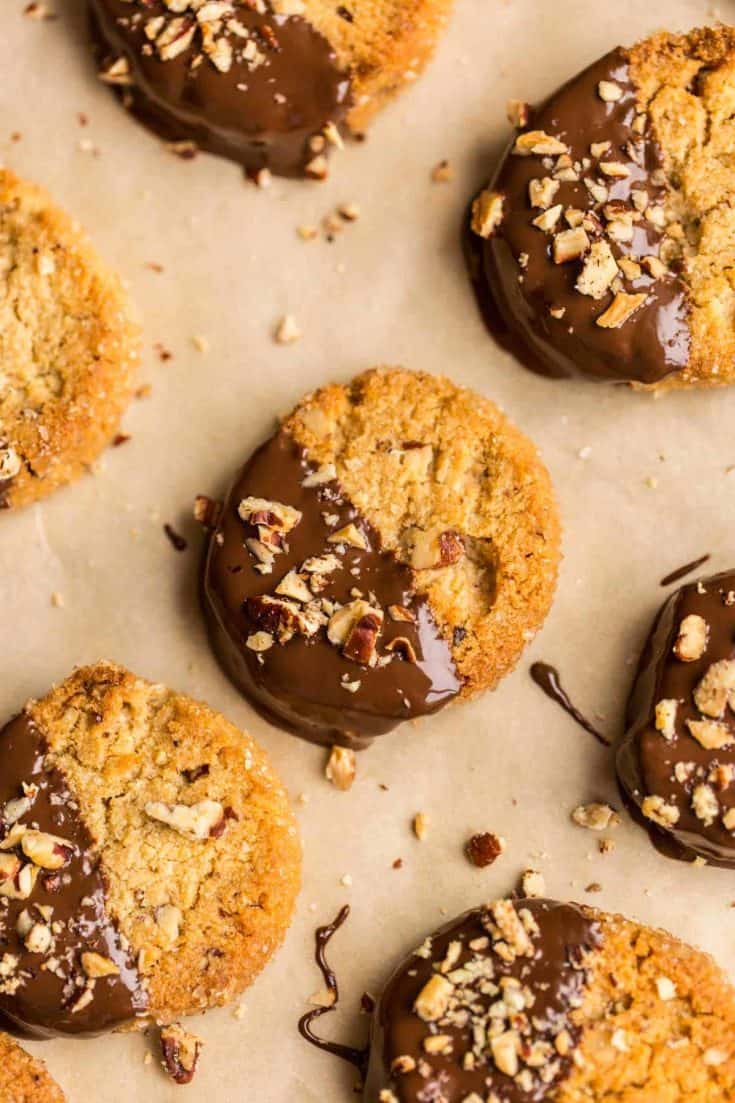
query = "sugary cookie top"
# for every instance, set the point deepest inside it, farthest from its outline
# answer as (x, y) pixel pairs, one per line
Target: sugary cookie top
(483, 1009)
(254, 76)
(580, 249)
(677, 760)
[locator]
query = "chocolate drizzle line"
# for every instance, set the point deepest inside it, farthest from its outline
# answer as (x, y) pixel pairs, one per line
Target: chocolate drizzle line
(356, 1057)
(647, 761)
(682, 572)
(547, 679)
(261, 115)
(300, 684)
(516, 280)
(553, 969)
(44, 989)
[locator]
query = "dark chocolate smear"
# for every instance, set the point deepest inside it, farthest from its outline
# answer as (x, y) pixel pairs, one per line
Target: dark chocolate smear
(547, 678)
(259, 113)
(356, 1057)
(537, 990)
(309, 685)
(682, 572)
(53, 916)
(514, 273)
(649, 764)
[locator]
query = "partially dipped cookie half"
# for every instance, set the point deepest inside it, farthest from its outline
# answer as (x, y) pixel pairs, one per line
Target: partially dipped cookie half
(394, 546)
(676, 762)
(149, 861)
(600, 248)
(25, 1079)
(534, 1000)
(272, 84)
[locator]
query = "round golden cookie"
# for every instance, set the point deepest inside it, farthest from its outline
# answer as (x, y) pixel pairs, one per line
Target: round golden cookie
(535, 1000)
(602, 247)
(24, 1079)
(271, 84)
(68, 349)
(149, 861)
(394, 546)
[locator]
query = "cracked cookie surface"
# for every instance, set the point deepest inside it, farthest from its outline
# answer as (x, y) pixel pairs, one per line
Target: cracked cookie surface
(24, 1079)
(603, 247)
(530, 1000)
(394, 546)
(268, 83)
(68, 349)
(149, 863)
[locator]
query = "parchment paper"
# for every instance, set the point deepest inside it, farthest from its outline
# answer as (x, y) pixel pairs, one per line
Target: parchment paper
(652, 494)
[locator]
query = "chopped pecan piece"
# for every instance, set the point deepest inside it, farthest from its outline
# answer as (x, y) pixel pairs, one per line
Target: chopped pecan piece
(691, 642)
(620, 310)
(487, 213)
(180, 1053)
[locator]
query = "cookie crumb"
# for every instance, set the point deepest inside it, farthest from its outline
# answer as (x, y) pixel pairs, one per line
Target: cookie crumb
(287, 331)
(420, 826)
(483, 849)
(201, 344)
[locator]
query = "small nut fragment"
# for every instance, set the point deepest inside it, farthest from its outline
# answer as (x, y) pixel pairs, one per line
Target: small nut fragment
(117, 73)
(517, 113)
(711, 734)
(196, 821)
(538, 142)
(609, 91)
(46, 851)
(350, 535)
(95, 965)
(433, 999)
(438, 1044)
(665, 717)
(402, 646)
(38, 939)
(705, 804)
(541, 191)
(402, 1065)
(362, 640)
(420, 825)
(168, 919)
(10, 463)
(433, 548)
(287, 330)
(343, 621)
(548, 219)
(283, 618)
(716, 689)
(505, 1049)
(570, 245)
(293, 585)
(442, 173)
(483, 849)
(487, 213)
(657, 810)
(620, 310)
(691, 642)
(598, 271)
(341, 768)
(595, 816)
(207, 511)
(666, 988)
(615, 169)
(533, 883)
(180, 1053)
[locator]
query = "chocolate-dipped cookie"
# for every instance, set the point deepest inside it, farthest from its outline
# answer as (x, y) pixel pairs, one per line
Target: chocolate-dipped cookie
(148, 859)
(268, 83)
(523, 1001)
(68, 350)
(25, 1079)
(392, 547)
(676, 762)
(599, 248)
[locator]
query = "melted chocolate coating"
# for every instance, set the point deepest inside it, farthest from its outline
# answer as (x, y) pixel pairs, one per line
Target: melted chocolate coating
(43, 993)
(646, 759)
(300, 684)
(555, 973)
(516, 300)
(260, 116)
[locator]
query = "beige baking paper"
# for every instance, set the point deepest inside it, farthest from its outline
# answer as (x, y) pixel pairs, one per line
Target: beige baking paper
(642, 486)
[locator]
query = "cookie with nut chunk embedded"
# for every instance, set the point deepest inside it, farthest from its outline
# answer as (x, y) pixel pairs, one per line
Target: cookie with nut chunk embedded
(601, 247)
(271, 84)
(68, 349)
(532, 1000)
(676, 762)
(24, 1079)
(394, 546)
(149, 860)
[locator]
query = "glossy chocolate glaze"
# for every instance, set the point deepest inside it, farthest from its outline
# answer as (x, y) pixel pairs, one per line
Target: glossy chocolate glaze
(260, 116)
(300, 684)
(44, 993)
(646, 760)
(547, 679)
(555, 972)
(682, 572)
(356, 1057)
(516, 300)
